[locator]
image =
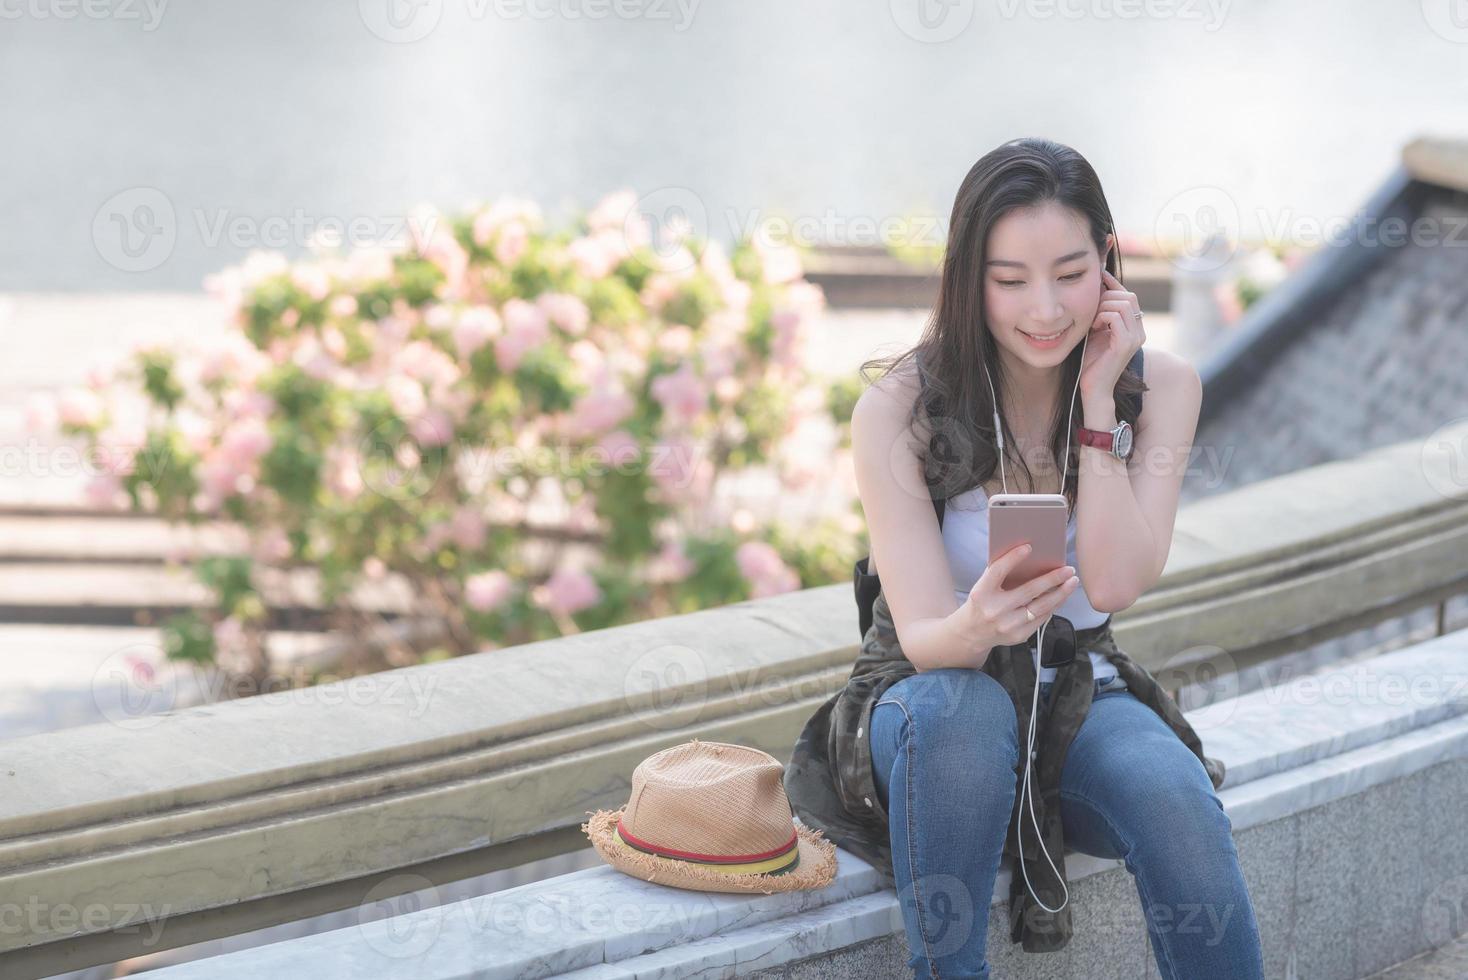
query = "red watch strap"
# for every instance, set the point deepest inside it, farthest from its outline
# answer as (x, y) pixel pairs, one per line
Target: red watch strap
(1095, 437)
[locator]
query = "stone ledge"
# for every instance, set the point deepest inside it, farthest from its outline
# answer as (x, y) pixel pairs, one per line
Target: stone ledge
(1333, 756)
(497, 750)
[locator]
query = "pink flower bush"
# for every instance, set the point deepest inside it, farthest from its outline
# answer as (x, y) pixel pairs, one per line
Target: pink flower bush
(487, 417)
(761, 564)
(488, 591)
(568, 591)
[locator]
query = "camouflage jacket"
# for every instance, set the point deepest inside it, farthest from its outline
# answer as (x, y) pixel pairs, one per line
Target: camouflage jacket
(831, 787)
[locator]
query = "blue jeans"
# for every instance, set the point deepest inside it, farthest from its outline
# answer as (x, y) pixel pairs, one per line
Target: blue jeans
(1130, 789)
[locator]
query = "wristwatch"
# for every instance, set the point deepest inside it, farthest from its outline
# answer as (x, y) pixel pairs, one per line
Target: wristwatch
(1117, 441)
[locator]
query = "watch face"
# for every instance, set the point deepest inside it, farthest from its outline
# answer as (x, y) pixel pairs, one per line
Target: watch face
(1124, 441)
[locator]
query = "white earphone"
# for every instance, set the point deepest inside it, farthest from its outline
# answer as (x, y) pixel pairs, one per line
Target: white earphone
(1026, 793)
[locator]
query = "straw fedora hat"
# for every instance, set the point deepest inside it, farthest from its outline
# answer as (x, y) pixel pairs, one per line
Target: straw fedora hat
(712, 816)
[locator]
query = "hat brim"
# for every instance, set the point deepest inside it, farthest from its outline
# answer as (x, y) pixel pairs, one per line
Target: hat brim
(816, 868)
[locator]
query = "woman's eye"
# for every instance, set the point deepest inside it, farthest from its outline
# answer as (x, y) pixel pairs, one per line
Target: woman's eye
(1020, 282)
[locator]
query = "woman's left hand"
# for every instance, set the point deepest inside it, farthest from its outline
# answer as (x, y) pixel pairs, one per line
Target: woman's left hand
(1116, 334)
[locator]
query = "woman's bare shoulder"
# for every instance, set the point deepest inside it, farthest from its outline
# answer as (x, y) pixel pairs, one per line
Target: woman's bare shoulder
(893, 395)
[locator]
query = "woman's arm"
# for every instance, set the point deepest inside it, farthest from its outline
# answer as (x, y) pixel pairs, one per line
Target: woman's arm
(906, 540)
(1125, 511)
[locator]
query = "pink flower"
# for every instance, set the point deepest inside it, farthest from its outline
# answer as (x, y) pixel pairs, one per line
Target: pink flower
(343, 306)
(467, 528)
(432, 428)
(682, 395)
(272, 547)
(612, 210)
(591, 257)
(781, 263)
(426, 363)
(245, 442)
(231, 646)
(369, 264)
(503, 210)
(763, 568)
(525, 330)
(599, 410)
(680, 471)
(510, 244)
(671, 564)
(312, 280)
(567, 591)
(677, 340)
(621, 449)
(244, 404)
(40, 414)
(658, 290)
(565, 311)
(342, 473)
(313, 359)
(487, 591)
(406, 395)
(104, 491)
(435, 241)
(235, 360)
(80, 407)
(474, 328)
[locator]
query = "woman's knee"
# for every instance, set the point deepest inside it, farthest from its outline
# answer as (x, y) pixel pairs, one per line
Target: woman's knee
(959, 709)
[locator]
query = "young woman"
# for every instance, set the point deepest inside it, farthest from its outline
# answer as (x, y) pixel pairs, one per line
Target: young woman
(1031, 301)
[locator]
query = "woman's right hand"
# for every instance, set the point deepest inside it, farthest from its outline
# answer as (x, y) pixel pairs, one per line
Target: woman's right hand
(997, 615)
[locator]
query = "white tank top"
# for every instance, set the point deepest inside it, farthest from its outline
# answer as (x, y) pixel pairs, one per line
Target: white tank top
(966, 543)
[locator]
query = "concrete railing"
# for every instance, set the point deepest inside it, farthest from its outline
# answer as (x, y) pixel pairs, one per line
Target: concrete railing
(1346, 792)
(229, 817)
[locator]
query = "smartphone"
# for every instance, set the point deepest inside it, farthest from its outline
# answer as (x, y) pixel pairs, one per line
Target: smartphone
(1037, 519)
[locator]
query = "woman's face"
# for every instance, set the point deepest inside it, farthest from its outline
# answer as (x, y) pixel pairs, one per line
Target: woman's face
(1042, 279)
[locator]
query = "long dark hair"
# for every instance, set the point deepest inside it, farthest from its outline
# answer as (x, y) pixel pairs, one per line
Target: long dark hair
(956, 408)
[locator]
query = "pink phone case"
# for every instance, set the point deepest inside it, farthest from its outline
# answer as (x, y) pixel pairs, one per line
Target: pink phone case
(1036, 518)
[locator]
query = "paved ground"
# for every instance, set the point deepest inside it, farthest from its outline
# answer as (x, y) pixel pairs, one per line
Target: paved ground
(1449, 962)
